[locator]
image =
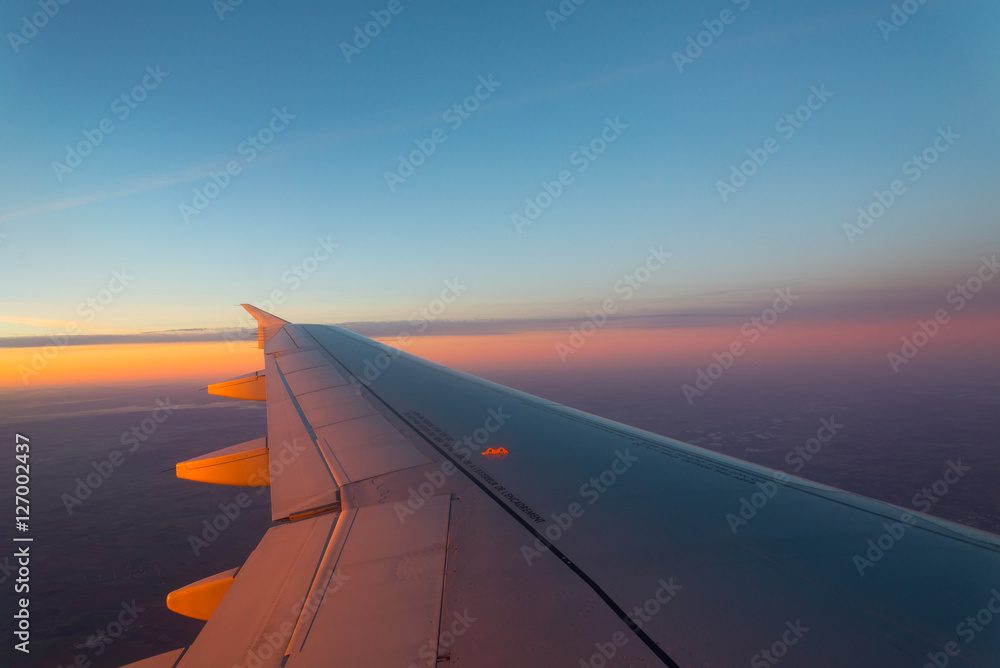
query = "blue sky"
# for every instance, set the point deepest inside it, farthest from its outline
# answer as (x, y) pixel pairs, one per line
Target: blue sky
(323, 176)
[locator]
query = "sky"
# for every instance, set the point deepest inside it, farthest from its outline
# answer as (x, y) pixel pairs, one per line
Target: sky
(699, 218)
(509, 165)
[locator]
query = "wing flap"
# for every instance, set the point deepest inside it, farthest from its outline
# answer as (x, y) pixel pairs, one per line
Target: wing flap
(253, 623)
(317, 588)
(387, 601)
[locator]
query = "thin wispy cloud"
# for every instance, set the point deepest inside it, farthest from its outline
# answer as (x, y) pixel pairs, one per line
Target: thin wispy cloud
(165, 336)
(292, 148)
(39, 322)
(117, 410)
(717, 309)
(136, 187)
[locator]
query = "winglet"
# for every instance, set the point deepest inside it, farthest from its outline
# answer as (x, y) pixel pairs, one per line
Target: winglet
(267, 324)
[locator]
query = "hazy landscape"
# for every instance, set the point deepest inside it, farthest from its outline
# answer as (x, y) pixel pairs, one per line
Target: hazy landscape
(129, 540)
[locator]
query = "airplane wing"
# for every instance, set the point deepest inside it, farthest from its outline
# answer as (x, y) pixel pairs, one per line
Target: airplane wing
(429, 518)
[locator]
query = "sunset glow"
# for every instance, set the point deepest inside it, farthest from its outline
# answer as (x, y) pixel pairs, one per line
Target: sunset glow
(129, 363)
(791, 343)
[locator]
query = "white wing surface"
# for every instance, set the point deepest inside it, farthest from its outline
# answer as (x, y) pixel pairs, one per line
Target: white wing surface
(430, 518)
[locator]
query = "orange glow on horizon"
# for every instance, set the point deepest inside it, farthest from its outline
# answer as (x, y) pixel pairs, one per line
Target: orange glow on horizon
(127, 363)
(785, 343)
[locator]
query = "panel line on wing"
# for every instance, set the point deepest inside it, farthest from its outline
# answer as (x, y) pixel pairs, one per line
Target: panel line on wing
(339, 474)
(444, 579)
(272, 605)
(349, 419)
(329, 560)
(348, 430)
(391, 577)
(610, 602)
(318, 389)
(299, 360)
(305, 423)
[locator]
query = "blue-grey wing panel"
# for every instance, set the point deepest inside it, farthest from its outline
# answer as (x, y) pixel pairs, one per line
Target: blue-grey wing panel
(714, 559)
